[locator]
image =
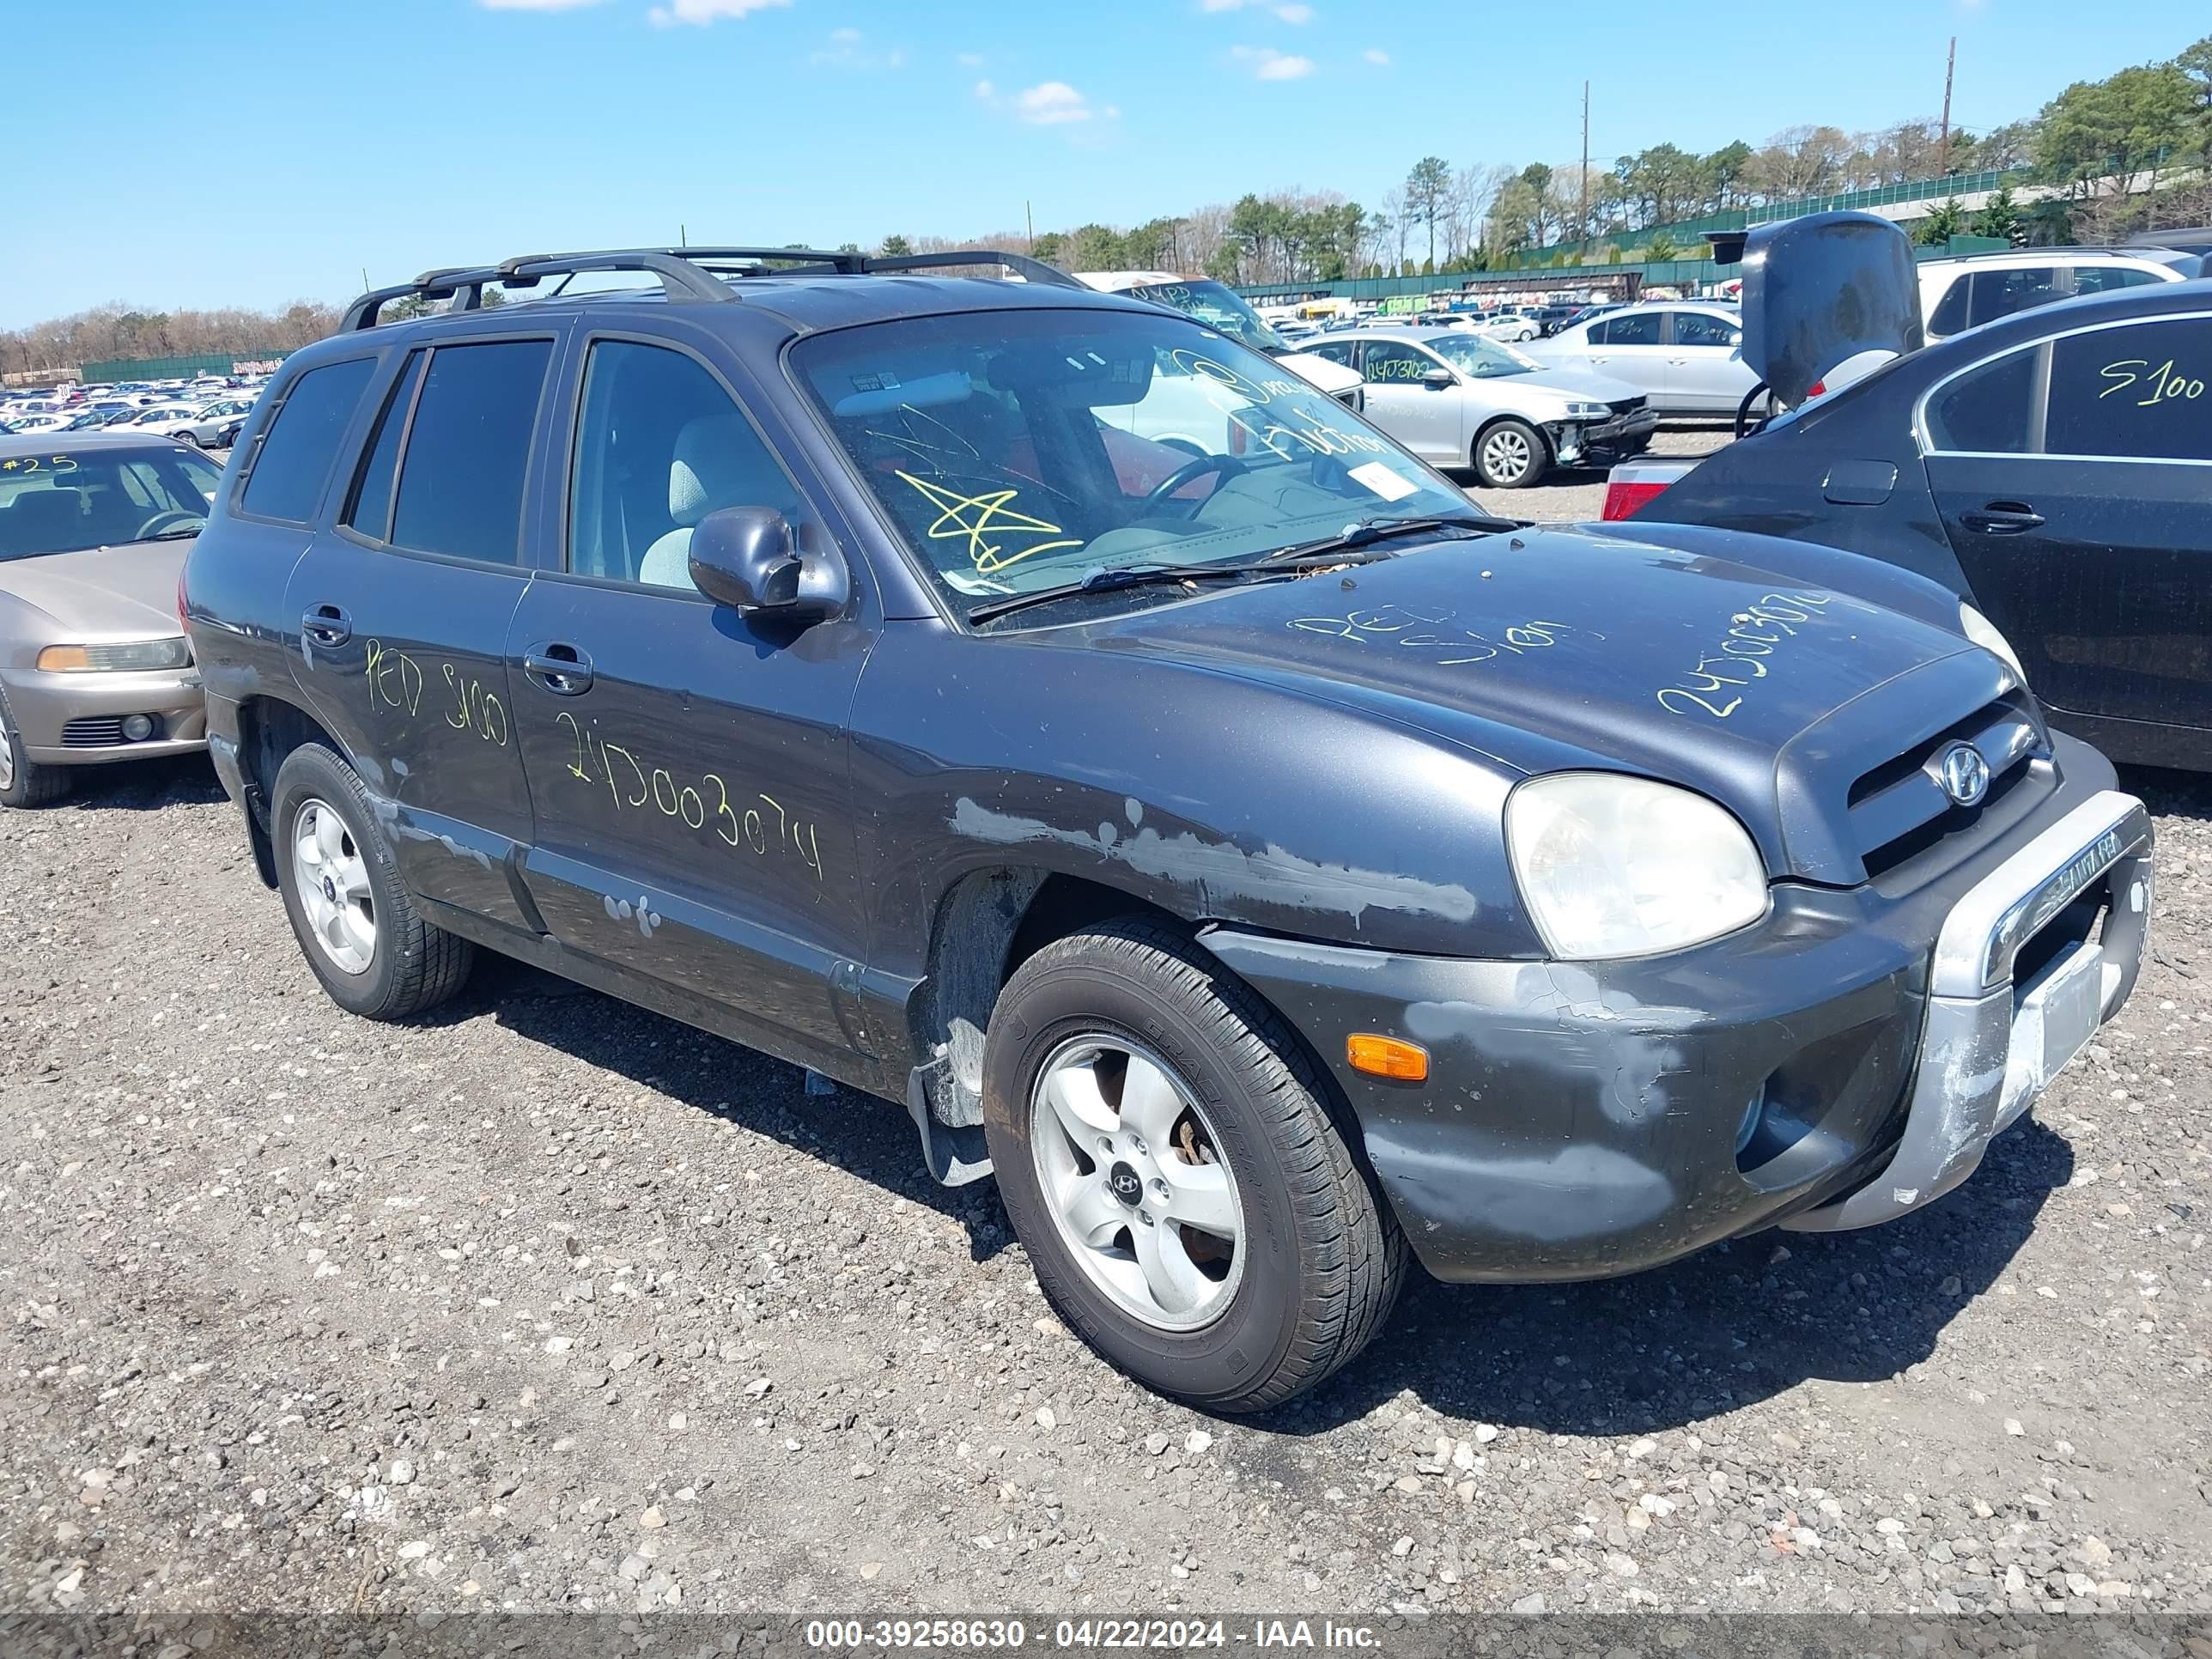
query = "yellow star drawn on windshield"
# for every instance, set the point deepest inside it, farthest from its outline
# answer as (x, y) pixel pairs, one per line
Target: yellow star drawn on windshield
(990, 513)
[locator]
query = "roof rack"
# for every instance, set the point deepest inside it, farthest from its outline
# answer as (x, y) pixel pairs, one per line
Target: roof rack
(686, 273)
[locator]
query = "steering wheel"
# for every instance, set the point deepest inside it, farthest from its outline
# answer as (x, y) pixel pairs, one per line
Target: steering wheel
(162, 521)
(1744, 424)
(1191, 470)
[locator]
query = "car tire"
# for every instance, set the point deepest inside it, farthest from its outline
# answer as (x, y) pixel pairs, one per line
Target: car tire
(192, 438)
(1510, 454)
(24, 782)
(361, 933)
(1317, 1259)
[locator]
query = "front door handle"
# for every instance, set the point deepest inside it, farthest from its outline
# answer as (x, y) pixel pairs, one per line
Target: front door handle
(561, 669)
(327, 625)
(2002, 518)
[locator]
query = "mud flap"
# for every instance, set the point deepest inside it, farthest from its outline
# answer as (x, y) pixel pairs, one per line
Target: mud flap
(954, 1156)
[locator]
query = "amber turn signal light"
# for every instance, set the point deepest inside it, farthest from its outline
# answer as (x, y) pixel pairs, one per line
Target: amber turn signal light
(1383, 1056)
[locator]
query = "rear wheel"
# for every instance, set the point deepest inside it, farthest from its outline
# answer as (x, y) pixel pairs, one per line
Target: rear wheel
(1510, 454)
(1164, 1153)
(24, 782)
(355, 922)
(190, 437)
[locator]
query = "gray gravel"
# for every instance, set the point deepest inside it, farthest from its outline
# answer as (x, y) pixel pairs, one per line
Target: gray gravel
(549, 1302)
(1578, 493)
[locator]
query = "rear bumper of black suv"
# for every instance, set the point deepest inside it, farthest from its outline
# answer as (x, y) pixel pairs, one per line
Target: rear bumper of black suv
(1843, 1061)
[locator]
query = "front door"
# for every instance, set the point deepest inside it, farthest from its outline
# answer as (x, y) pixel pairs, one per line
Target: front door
(1426, 419)
(1626, 346)
(689, 765)
(409, 664)
(2075, 480)
(1703, 370)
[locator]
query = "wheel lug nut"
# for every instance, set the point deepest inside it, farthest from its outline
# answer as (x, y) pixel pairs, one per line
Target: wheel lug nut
(1160, 1191)
(1145, 1216)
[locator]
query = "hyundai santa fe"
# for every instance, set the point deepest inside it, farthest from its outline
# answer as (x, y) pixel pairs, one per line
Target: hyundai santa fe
(1261, 863)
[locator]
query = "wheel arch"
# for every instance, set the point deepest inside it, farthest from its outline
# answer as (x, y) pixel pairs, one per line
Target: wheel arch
(1551, 456)
(270, 727)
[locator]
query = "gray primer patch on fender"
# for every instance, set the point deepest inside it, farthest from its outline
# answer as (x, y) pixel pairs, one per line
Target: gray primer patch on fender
(1271, 876)
(1570, 1193)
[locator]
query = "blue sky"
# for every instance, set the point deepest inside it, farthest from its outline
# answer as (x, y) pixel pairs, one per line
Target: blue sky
(256, 152)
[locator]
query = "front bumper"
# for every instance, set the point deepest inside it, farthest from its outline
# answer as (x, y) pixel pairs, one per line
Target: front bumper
(66, 720)
(1604, 441)
(1845, 1061)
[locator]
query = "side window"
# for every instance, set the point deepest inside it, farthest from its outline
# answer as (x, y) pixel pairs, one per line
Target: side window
(660, 445)
(1337, 351)
(1948, 314)
(1628, 328)
(370, 511)
(2143, 391)
(1989, 410)
(2001, 293)
(2103, 279)
(1695, 328)
(468, 451)
(285, 479)
(1393, 362)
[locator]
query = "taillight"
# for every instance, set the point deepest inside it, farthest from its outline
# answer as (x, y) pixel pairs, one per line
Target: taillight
(1819, 389)
(1622, 499)
(181, 607)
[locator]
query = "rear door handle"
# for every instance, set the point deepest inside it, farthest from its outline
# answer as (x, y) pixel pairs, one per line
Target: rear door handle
(2002, 518)
(327, 625)
(561, 669)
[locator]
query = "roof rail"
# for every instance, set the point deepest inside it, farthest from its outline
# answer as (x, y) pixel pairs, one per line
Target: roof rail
(685, 273)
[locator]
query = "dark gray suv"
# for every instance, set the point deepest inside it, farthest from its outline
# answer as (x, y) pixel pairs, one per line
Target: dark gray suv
(1031, 706)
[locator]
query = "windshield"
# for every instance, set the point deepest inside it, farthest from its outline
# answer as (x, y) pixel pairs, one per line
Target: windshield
(65, 502)
(1478, 358)
(1214, 304)
(1021, 451)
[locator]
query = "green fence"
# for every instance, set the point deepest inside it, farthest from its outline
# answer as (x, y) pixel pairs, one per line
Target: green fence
(177, 369)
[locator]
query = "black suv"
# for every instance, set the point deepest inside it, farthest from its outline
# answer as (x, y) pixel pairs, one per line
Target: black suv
(1033, 706)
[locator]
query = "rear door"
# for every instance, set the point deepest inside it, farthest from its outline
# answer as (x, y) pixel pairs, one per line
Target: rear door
(402, 611)
(1427, 419)
(2075, 480)
(689, 764)
(1703, 372)
(1630, 346)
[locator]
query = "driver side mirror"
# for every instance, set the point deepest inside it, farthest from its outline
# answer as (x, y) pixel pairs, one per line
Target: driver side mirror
(1437, 379)
(747, 558)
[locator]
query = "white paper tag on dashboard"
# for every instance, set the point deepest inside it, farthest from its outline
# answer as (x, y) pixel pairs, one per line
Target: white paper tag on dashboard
(1389, 485)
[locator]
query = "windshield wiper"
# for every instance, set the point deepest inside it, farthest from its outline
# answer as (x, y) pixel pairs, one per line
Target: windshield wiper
(1143, 575)
(1370, 530)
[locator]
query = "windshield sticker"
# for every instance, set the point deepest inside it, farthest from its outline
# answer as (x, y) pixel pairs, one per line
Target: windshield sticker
(1753, 634)
(32, 463)
(1389, 485)
(976, 517)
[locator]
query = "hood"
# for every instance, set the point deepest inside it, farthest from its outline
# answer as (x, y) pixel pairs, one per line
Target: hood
(1553, 649)
(125, 593)
(1822, 289)
(1569, 383)
(1330, 377)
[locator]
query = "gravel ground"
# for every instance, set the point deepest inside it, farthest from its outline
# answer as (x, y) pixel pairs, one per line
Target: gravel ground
(549, 1302)
(1578, 492)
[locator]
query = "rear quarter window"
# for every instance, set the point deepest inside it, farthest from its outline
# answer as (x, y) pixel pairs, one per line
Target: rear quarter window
(293, 460)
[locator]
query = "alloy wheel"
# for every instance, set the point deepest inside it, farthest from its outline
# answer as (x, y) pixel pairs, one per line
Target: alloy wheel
(332, 878)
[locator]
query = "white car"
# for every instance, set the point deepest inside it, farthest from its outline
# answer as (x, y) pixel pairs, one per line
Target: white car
(1685, 356)
(1510, 325)
(1980, 288)
(188, 422)
(25, 425)
(1456, 398)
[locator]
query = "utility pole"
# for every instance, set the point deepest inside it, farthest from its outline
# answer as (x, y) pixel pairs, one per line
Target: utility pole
(1943, 142)
(1028, 226)
(683, 235)
(1583, 210)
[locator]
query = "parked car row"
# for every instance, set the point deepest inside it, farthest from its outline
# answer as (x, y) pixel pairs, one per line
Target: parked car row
(995, 696)
(206, 413)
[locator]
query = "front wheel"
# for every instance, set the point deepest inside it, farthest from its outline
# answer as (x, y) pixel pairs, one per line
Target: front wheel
(1510, 454)
(24, 782)
(1164, 1153)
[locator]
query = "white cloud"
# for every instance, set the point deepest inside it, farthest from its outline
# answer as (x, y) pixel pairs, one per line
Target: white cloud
(536, 5)
(1290, 11)
(1051, 104)
(1376, 55)
(970, 60)
(703, 12)
(1268, 65)
(984, 90)
(845, 50)
(844, 37)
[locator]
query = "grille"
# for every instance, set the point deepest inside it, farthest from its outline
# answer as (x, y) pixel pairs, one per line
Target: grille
(1901, 809)
(1630, 406)
(101, 732)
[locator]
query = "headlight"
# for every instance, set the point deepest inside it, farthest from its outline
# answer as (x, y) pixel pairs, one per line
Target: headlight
(130, 656)
(1588, 412)
(1984, 632)
(1611, 866)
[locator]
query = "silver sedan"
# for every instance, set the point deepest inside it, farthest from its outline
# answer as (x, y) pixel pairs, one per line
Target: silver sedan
(1456, 398)
(94, 664)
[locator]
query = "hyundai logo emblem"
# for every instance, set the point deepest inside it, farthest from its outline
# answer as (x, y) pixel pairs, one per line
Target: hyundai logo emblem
(1965, 773)
(1125, 1184)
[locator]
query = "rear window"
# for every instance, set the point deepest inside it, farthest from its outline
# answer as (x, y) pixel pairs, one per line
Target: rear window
(293, 460)
(468, 451)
